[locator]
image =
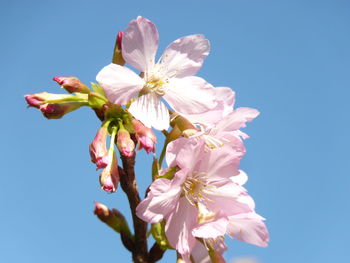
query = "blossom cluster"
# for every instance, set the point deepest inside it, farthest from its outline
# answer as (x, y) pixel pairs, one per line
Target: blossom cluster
(199, 196)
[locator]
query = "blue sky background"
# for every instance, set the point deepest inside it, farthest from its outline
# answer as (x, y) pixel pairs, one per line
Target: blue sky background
(289, 59)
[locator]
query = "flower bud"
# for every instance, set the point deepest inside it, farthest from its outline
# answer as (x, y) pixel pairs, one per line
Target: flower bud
(98, 148)
(58, 110)
(38, 99)
(109, 178)
(145, 137)
(72, 84)
(117, 56)
(124, 143)
(119, 40)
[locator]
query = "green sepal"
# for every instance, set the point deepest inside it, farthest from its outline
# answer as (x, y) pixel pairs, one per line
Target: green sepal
(158, 233)
(170, 173)
(96, 101)
(98, 89)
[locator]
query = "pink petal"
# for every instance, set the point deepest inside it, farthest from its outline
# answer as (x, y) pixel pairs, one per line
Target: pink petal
(119, 83)
(212, 229)
(160, 201)
(248, 228)
(179, 226)
(240, 178)
(150, 111)
(237, 119)
(226, 96)
(187, 152)
(225, 199)
(140, 43)
(185, 56)
(190, 95)
(220, 163)
(225, 99)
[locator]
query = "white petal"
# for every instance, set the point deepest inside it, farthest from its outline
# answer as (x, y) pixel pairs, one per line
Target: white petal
(140, 43)
(119, 83)
(184, 57)
(190, 95)
(150, 111)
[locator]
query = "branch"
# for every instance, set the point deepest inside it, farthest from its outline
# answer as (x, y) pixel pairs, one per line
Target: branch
(128, 184)
(155, 253)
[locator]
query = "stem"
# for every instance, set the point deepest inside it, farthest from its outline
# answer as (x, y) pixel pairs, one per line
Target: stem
(155, 253)
(162, 155)
(128, 184)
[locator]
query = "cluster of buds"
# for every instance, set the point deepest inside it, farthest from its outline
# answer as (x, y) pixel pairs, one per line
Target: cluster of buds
(120, 134)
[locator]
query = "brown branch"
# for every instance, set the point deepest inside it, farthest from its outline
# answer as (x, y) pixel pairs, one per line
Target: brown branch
(155, 253)
(128, 184)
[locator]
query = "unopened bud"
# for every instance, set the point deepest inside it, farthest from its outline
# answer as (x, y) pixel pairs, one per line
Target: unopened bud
(38, 99)
(58, 110)
(101, 210)
(145, 137)
(54, 106)
(124, 143)
(72, 84)
(117, 56)
(182, 123)
(119, 40)
(109, 178)
(98, 148)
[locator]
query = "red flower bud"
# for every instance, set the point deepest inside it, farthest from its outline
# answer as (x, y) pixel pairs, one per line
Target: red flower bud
(98, 149)
(145, 136)
(109, 178)
(124, 143)
(72, 84)
(58, 110)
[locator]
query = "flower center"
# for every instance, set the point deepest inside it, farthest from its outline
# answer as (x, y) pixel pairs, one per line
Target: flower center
(193, 188)
(156, 81)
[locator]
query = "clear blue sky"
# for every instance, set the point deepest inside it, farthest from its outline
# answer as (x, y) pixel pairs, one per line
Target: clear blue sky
(289, 59)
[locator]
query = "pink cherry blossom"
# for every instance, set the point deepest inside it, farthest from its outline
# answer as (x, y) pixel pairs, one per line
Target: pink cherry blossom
(171, 78)
(201, 192)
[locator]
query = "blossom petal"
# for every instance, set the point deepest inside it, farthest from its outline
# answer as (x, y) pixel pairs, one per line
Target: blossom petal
(190, 95)
(225, 199)
(220, 163)
(185, 56)
(237, 119)
(160, 201)
(240, 178)
(150, 111)
(179, 225)
(211, 229)
(185, 152)
(225, 99)
(140, 43)
(119, 83)
(248, 228)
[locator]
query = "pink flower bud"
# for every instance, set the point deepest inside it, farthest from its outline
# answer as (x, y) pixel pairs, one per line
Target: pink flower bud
(58, 110)
(34, 100)
(117, 56)
(145, 137)
(72, 84)
(124, 143)
(101, 210)
(119, 40)
(109, 178)
(98, 149)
